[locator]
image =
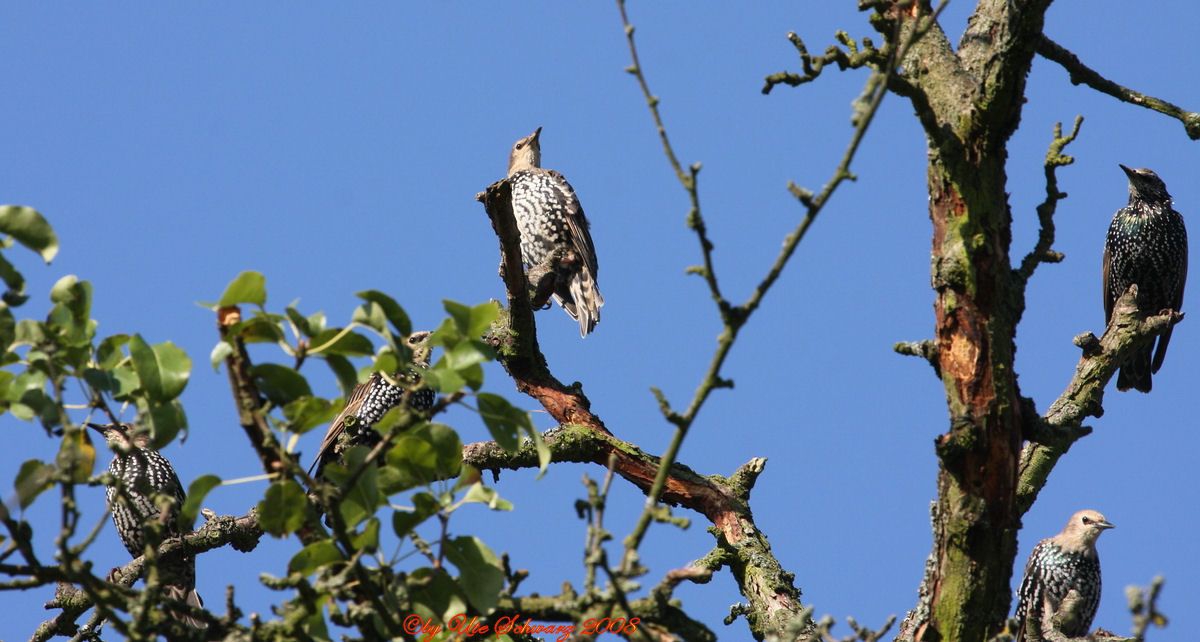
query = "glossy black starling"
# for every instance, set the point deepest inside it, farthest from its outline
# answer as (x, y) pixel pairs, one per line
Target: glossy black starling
(549, 216)
(1061, 589)
(369, 402)
(148, 484)
(1146, 245)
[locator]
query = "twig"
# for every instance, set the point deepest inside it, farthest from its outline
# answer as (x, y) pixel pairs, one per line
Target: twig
(851, 58)
(1042, 252)
(1082, 74)
(246, 395)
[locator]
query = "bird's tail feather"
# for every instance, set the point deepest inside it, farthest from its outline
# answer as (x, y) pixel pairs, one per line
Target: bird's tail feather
(1135, 373)
(189, 596)
(1161, 352)
(586, 300)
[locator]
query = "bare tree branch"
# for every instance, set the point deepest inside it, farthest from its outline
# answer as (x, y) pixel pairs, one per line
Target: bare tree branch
(1042, 252)
(1062, 424)
(1082, 74)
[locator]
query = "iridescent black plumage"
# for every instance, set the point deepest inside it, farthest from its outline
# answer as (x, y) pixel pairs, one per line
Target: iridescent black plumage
(369, 402)
(1061, 587)
(1146, 245)
(549, 216)
(146, 482)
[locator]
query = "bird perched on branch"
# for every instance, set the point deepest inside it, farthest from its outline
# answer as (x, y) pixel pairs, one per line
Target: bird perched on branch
(549, 217)
(1061, 589)
(1146, 245)
(146, 486)
(369, 402)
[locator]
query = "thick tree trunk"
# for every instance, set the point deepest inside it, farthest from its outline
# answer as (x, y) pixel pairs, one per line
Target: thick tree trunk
(969, 103)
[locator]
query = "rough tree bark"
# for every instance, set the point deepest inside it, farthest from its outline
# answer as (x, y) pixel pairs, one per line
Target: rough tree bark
(969, 103)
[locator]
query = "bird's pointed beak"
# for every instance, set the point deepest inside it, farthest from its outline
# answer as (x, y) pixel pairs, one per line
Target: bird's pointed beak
(97, 427)
(1128, 172)
(537, 132)
(1105, 525)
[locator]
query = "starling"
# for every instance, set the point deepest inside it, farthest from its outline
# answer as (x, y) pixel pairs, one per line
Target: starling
(369, 402)
(1146, 245)
(549, 216)
(1061, 589)
(145, 478)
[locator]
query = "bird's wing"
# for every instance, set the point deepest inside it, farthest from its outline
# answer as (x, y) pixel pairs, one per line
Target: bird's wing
(1032, 591)
(577, 223)
(1176, 302)
(172, 487)
(353, 404)
(1106, 286)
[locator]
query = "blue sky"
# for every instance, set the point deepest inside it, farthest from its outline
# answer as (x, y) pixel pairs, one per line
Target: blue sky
(337, 148)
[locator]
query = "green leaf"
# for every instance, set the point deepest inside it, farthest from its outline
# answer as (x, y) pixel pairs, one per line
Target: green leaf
(372, 316)
(76, 455)
(247, 287)
(350, 344)
(435, 594)
(280, 384)
(313, 557)
(361, 501)
(403, 522)
(392, 310)
(15, 295)
(260, 328)
(163, 368)
(8, 329)
(461, 315)
(32, 478)
(468, 353)
(305, 413)
(164, 421)
(484, 495)
(196, 493)
(109, 353)
(76, 295)
(443, 378)
(480, 574)
(126, 382)
(282, 509)
(412, 461)
(448, 447)
(299, 320)
(503, 420)
(368, 539)
(346, 375)
(482, 317)
(29, 333)
(30, 229)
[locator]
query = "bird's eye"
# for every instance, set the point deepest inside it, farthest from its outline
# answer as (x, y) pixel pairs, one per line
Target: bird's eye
(1087, 520)
(520, 145)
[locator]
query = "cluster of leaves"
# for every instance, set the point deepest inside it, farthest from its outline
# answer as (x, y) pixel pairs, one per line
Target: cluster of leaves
(49, 365)
(416, 456)
(58, 372)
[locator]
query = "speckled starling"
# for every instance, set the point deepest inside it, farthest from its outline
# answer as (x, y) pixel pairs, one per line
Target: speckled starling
(549, 216)
(369, 402)
(146, 484)
(1061, 589)
(1146, 245)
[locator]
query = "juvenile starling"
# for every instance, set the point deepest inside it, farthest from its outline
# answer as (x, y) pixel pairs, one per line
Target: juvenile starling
(148, 483)
(1146, 245)
(1061, 589)
(549, 216)
(369, 402)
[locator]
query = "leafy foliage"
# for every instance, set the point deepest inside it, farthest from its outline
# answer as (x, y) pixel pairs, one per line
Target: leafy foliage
(42, 360)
